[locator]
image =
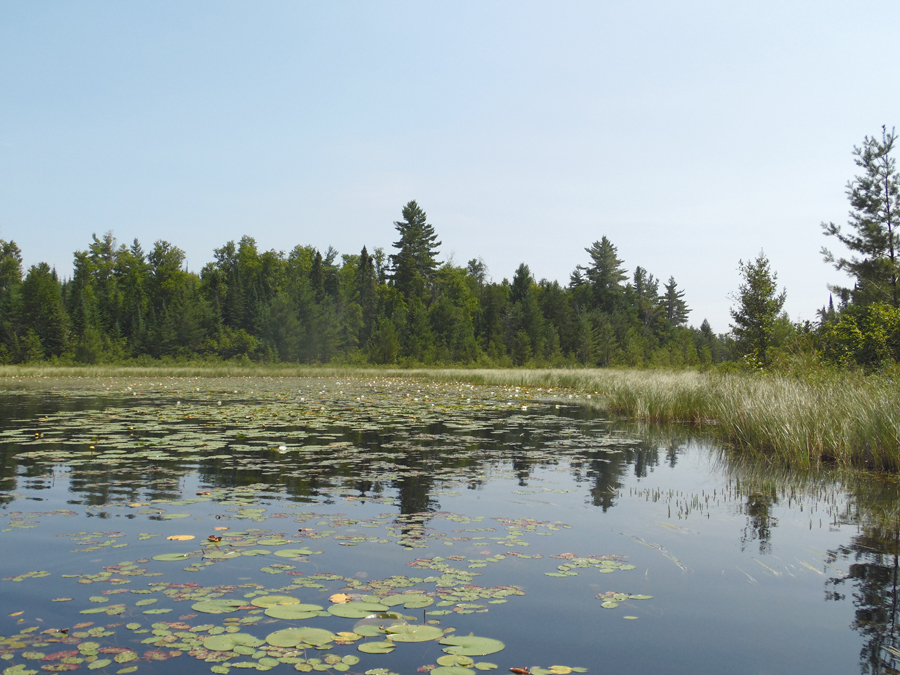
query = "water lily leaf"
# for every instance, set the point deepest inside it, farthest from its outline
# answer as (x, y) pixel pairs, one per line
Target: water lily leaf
(484, 665)
(350, 659)
(180, 537)
(291, 637)
(228, 641)
(454, 660)
(272, 600)
(471, 645)
(376, 647)
(408, 600)
(356, 610)
(171, 557)
(291, 612)
(221, 555)
(293, 552)
(99, 663)
(217, 606)
(410, 633)
(339, 598)
(640, 597)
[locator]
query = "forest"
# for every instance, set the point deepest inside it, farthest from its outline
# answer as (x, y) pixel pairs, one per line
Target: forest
(124, 304)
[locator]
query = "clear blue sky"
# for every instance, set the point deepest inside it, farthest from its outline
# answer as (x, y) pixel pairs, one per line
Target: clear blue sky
(692, 134)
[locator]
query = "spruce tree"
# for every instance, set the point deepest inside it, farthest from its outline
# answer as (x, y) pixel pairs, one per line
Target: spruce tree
(414, 264)
(675, 307)
(758, 309)
(874, 215)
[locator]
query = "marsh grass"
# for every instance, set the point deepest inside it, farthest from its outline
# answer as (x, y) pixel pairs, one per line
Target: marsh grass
(802, 420)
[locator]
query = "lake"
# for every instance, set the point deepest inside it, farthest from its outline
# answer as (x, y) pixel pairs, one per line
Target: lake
(398, 526)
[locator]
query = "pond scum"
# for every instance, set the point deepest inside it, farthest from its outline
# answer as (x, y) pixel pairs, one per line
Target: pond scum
(804, 420)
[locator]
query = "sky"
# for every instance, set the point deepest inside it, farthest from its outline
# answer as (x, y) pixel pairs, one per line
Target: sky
(692, 134)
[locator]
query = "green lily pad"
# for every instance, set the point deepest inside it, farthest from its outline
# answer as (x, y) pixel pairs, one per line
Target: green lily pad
(217, 606)
(454, 660)
(293, 552)
(409, 633)
(291, 637)
(472, 646)
(173, 557)
(408, 600)
(376, 647)
(228, 641)
(356, 610)
(452, 670)
(272, 600)
(298, 611)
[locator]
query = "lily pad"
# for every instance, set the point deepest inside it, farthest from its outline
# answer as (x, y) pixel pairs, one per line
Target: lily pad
(410, 633)
(408, 600)
(376, 647)
(228, 641)
(273, 600)
(291, 612)
(471, 645)
(291, 637)
(217, 606)
(293, 552)
(173, 557)
(356, 610)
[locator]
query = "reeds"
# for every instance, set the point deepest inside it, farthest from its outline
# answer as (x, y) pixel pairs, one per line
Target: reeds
(804, 420)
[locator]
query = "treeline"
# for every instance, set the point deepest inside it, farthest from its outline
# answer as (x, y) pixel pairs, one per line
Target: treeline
(863, 330)
(124, 303)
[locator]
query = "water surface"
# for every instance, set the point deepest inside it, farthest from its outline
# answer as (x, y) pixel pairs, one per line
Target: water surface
(521, 516)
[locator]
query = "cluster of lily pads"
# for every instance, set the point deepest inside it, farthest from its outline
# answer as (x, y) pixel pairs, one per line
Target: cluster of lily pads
(315, 444)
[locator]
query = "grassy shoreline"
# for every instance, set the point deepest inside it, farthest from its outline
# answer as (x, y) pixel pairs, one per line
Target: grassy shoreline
(821, 417)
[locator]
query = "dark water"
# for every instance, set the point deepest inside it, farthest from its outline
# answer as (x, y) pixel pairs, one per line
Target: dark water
(469, 495)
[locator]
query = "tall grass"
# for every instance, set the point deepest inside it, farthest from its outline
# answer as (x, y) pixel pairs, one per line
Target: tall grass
(805, 420)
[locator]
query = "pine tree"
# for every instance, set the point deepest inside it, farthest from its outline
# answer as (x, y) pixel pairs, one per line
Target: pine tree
(874, 215)
(606, 274)
(414, 264)
(675, 307)
(757, 312)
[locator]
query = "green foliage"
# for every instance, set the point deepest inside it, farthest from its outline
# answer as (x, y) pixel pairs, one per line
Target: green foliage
(874, 214)
(312, 306)
(759, 306)
(868, 337)
(414, 263)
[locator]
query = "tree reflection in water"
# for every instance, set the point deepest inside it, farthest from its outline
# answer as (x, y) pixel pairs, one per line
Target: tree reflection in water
(873, 574)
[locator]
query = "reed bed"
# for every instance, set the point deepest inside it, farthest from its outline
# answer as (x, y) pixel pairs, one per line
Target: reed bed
(804, 420)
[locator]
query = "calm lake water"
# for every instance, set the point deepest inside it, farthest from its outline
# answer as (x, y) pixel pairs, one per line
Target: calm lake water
(390, 522)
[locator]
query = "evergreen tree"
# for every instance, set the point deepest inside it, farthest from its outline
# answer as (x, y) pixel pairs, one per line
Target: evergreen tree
(366, 294)
(43, 311)
(10, 298)
(757, 312)
(674, 306)
(414, 264)
(605, 274)
(646, 296)
(874, 215)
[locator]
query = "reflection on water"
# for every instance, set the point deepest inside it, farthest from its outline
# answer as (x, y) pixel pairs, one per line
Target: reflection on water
(413, 450)
(872, 583)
